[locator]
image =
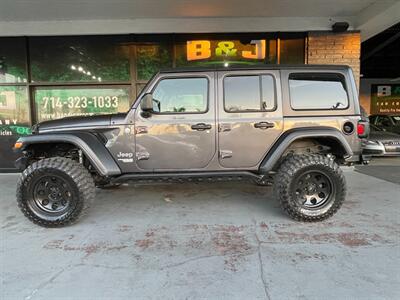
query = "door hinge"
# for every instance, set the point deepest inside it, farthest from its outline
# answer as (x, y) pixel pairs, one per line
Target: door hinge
(225, 154)
(142, 155)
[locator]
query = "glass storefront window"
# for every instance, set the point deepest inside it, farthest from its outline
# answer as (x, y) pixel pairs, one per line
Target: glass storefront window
(86, 75)
(292, 51)
(13, 60)
(151, 58)
(14, 121)
(79, 59)
(272, 52)
(139, 88)
(59, 102)
(14, 107)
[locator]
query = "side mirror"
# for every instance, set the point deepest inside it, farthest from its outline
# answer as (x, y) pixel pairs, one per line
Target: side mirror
(146, 104)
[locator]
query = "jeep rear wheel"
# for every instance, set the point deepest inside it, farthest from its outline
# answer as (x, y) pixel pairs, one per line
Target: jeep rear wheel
(310, 187)
(54, 192)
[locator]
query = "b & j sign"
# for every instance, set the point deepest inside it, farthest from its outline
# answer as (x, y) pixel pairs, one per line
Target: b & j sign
(206, 49)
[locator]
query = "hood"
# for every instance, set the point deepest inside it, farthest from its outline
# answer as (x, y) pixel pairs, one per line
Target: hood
(72, 123)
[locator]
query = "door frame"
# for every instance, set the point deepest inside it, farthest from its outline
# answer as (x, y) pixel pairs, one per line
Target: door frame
(210, 111)
(276, 114)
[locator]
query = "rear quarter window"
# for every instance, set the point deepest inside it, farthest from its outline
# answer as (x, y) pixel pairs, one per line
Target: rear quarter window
(318, 91)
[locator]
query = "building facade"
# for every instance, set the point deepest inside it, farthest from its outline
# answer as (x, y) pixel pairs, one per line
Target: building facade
(45, 78)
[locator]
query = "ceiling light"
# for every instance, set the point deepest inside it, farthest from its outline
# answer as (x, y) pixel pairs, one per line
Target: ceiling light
(73, 67)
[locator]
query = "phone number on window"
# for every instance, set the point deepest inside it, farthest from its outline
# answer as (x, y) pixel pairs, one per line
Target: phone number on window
(81, 102)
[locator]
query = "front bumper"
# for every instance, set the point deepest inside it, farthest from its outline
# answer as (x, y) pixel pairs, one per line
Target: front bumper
(372, 148)
(391, 149)
(368, 150)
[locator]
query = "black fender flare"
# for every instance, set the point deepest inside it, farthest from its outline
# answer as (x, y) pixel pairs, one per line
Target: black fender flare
(283, 142)
(90, 145)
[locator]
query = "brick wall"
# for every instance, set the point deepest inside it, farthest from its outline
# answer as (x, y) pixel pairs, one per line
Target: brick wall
(335, 48)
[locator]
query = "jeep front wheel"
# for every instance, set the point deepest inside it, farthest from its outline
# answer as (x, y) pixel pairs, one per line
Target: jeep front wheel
(310, 187)
(54, 192)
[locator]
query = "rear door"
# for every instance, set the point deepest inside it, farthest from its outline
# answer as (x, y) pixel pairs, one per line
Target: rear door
(249, 115)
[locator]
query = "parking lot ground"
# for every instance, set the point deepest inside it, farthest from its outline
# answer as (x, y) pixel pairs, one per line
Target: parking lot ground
(205, 241)
(386, 168)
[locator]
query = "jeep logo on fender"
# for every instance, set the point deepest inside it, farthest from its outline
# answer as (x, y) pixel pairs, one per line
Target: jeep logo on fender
(126, 157)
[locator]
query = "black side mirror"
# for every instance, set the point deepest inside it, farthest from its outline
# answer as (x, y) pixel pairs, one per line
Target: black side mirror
(146, 104)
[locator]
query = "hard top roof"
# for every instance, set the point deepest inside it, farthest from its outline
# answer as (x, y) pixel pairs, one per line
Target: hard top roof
(255, 67)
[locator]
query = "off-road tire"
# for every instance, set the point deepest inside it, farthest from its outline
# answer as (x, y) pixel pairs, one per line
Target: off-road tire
(73, 174)
(291, 169)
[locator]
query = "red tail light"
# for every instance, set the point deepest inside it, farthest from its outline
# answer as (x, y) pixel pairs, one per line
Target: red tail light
(361, 129)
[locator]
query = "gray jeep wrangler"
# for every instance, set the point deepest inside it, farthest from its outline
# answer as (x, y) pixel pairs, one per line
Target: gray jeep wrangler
(290, 126)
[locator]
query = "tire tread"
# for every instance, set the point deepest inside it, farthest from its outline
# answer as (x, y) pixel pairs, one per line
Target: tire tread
(78, 173)
(287, 170)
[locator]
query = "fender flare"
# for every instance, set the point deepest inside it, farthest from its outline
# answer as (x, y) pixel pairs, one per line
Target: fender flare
(90, 145)
(284, 141)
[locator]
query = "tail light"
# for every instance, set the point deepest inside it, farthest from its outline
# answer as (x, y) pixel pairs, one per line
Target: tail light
(363, 129)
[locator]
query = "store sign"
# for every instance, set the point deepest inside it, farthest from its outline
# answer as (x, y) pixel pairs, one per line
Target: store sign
(385, 99)
(56, 103)
(206, 49)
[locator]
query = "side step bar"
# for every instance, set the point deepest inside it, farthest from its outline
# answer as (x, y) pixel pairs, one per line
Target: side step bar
(191, 177)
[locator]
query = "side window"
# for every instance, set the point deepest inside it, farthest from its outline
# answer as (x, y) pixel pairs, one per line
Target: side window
(181, 95)
(249, 93)
(318, 91)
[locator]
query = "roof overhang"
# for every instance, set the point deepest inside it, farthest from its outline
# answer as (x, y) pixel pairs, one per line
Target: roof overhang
(59, 17)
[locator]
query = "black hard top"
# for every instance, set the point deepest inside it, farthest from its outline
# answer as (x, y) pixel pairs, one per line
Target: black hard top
(254, 67)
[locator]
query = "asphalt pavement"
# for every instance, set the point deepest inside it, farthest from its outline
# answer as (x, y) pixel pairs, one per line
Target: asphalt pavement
(205, 241)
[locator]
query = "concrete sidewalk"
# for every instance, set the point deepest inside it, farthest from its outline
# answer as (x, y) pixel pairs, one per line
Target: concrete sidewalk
(205, 241)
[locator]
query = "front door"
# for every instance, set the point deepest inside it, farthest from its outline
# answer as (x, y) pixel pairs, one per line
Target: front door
(249, 116)
(181, 131)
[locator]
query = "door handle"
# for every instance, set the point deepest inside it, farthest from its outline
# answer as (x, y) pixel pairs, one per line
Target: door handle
(264, 125)
(201, 126)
